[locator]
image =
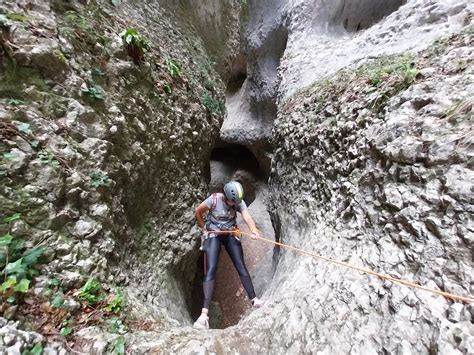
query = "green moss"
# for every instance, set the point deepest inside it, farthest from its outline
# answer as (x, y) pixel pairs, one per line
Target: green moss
(85, 30)
(244, 10)
(60, 56)
(13, 16)
(383, 78)
(212, 104)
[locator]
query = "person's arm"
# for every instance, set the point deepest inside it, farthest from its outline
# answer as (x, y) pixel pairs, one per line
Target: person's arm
(250, 222)
(200, 210)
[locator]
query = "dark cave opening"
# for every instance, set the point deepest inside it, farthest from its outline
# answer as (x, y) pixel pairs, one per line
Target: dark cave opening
(235, 162)
(227, 162)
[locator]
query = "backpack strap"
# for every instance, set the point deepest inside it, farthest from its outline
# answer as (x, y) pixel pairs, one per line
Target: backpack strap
(214, 200)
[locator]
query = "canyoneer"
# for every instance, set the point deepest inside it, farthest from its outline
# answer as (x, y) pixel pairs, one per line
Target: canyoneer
(222, 211)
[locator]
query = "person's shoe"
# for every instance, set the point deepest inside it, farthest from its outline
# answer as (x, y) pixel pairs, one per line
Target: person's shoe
(257, 303)
(202, 322)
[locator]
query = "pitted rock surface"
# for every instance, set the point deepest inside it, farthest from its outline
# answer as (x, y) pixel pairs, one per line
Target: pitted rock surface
(104, 182)
(371, 165)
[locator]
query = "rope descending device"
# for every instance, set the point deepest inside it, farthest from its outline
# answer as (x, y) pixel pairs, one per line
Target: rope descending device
(361, 269)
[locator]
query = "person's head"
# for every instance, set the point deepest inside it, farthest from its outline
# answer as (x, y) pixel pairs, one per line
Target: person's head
(233, 192)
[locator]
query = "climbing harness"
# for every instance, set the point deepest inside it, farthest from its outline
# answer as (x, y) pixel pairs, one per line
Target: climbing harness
(205, 237)
(361, 269)
(214, 200)
(214, 221)
(225, 220)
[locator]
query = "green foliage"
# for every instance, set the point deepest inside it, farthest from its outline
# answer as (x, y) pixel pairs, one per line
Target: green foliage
(15, 102)
(23, 286)
(54, 282)
(4, 22)
(119, 346)
(116, 326)
(31, 256)
(319, 104)
(387, 76)
(76, 24)
(6, 239)
(16, 17)
(244, 10)
(135, 43)
(83, 32)
(13, 217)
(99, 178)
(59, 55)
(173, 68)
(24, 128)
(205, 70)
(58, 300)
(34, 144)
(66, 328)
(47, 292)
(93, 92)
(18, 264)
(212, 104)
(9, 283)
(9, 156)
(116, 304)
(10, 249)
(409, 73)
(35, 350)
(167, 88)
(130, 36)
(21, 267)
(209, 84)
(46, 157)
(91, 292)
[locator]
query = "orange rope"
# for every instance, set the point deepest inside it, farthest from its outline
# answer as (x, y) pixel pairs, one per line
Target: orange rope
(361, 269)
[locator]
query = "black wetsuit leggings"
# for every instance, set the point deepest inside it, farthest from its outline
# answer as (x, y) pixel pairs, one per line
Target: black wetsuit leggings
(234, 249)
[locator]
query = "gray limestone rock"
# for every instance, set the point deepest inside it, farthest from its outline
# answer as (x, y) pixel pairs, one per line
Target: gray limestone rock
(376, 181)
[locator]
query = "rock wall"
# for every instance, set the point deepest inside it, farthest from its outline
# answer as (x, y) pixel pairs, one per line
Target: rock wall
(289, 45)
(362, 172)
(373, 167)
(104, 158)
(217, 22)
(323, 38)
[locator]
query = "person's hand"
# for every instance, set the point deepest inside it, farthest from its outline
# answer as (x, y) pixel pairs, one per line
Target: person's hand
(255, 234)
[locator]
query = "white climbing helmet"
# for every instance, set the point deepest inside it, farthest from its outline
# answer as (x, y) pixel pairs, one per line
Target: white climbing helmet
(234, 192)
